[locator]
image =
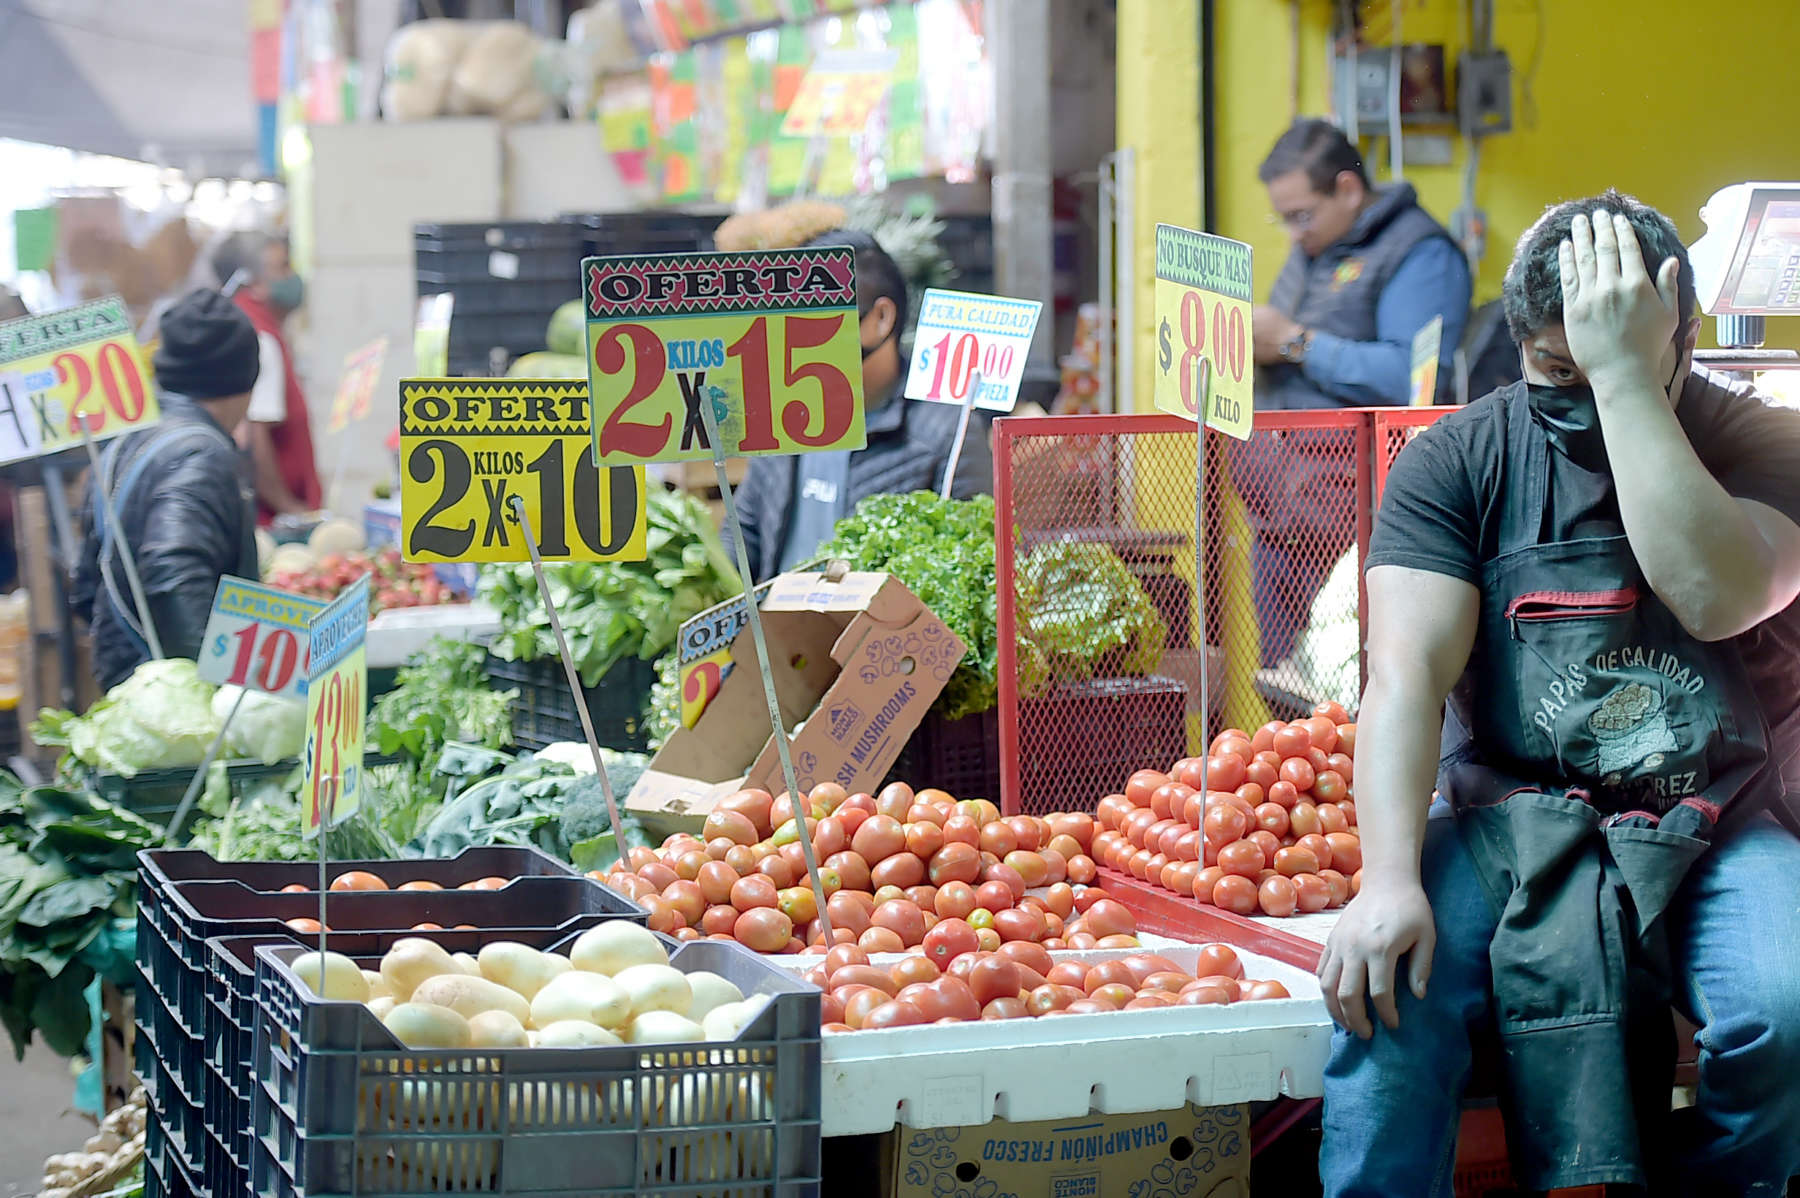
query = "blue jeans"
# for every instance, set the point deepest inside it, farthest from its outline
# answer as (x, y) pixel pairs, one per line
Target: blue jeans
(1392, 1103)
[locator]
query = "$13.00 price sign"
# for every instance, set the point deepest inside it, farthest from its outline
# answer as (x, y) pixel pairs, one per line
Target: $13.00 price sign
(337, 701)
(467, 446)
(256, 637)
(669, 332)
(60, 366)
(1203, 310)
(962, 335)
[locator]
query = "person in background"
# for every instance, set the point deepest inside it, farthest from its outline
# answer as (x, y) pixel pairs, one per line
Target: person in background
(788, 505)
(255, 270)
(1368, 270)
(179, 490)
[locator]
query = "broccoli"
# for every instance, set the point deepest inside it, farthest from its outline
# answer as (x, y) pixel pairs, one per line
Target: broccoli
(584, 813)
(586, 825)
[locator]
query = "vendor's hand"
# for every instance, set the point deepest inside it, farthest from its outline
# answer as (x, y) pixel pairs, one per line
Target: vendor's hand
(1618, 320)
(1270, 329)
(1382, 924)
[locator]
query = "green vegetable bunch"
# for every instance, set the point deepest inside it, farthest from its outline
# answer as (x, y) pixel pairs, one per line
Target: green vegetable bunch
(943, 550)
(159, 718)
(615, 610)
(1083, 614)
(533, 802)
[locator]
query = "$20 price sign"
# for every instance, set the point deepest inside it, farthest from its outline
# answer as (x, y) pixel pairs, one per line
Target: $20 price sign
(962, 335)
(1203, 310)
(56, 368)
(668, 332)
(256, 638)
(468, 445)
(337, 701)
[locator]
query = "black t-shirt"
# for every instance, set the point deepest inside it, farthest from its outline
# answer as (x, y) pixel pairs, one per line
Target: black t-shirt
(1441, 507)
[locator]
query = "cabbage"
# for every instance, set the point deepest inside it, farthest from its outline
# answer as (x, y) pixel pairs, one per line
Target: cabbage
(267, 728)
(159, 718)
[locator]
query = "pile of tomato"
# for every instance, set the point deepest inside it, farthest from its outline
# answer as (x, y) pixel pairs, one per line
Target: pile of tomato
(1274, 832)
(1020, 980)
(894, 867)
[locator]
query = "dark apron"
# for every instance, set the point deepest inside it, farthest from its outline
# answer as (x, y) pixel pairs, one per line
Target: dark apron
(1604, 744)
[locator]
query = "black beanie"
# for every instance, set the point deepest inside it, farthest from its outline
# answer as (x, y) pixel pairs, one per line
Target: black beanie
(208, 349)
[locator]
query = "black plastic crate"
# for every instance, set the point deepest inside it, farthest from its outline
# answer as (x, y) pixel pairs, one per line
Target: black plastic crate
(165, 1175)
(608, 233)
(495, 235)
(960, 757)
(516, 333)
(342, 1108)
(154, 794)
(181, 1122)
(544, 713)
(1092, 736)
(159, 867)
(494, 297)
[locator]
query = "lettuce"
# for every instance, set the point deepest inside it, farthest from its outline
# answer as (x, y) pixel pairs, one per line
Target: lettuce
(266, 729)
(159, 718)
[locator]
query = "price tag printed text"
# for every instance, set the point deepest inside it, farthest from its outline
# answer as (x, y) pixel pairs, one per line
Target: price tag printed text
(356, 387)
(961, 336)
(467, 446)
(64, 365)
(256, 637)
(769, 339)
(1203, 310)
(337, 703)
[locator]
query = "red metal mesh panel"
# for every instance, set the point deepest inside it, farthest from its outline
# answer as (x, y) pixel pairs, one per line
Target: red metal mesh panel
(1099, 658)
(1394, 428)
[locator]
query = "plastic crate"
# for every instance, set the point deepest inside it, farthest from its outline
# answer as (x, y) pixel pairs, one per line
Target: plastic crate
(1092, 736)
(498, 297)
(605, 233)
(159, 867)
(154, 794)
(960, 757)
(341, 1108)
(165, 1175)
(544, 713)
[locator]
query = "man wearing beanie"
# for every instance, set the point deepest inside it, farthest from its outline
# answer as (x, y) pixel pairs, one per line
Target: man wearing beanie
(180, 493)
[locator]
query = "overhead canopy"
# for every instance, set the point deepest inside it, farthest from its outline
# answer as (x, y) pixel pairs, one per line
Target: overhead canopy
(165, 81)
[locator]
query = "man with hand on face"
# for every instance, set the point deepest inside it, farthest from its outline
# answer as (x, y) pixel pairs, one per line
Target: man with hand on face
(1597, 567)
(789, 505)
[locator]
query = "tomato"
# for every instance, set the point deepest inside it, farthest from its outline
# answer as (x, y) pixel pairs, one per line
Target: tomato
(1333, 712)
(1277, 896)
(1112, 996)
(658, 875)
(1205, 880)
(924, 838)
(955, 862)
(438, 927)
(1273, 819)
(1235, 892)
(741, 857)
(763, 929)
(852, 817)
(1087, 898)
(1030, 866)
(829, 836)
(358, 879)
(1356, 883)
(1137, 826)
(1292, 741)
(1051, 997)
(955, 999)
(1210, 995)
(851, 869)
(1077, 826)
(999, 839)
(842, 955)
(1319, 846)
(1346, 851)
(799, 904)
(1329, 787)
(1032, 956)
(1224, 823)
(1268, 989)
(1299, 772)
(690, 862)
(1312, 892)
(994, 977)
(688, 899)
(1303, 820)
(779, 870)
(1332, 818)
(864, 975)
(859, 1002)
(1244, 858)
(1295, 860)
(950, 939)
(1226, 771)
(1142, 785)
(1264, 737)
(1020, 923)
(1002, 872)
(732, 825)
(1005, 1008)
(1108, 917)
(635, 860)
(1347, 739)
(880, 940)
(880, 837)
(1342, 765)
(297, 888)
(902, 870)
(1082, 870)
(1340, 886)
(720, 917)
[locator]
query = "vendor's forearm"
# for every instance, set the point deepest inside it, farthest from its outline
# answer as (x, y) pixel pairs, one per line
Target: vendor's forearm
(1397, 736)
(271, 487)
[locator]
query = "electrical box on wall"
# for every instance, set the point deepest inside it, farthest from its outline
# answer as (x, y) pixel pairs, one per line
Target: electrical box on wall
(1367, 87)
(1484, 93)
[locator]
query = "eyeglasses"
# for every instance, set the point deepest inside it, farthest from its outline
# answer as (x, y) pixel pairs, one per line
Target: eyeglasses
(1299, 220)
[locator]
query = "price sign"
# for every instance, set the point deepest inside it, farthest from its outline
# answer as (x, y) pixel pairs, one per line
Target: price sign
(337, 701)
(961, 336)
(356, 387)
(1203, 310)
(256, 637)
(1428, 344)
(467, 446)
(669, 332)
(704, 645)
(61, 366)
(840, 92)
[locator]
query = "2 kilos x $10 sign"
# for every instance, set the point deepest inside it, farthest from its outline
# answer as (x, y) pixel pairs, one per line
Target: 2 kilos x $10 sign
(256, 638)
(1203, 311)
(59, 367)
(337, 703)
(769, 339)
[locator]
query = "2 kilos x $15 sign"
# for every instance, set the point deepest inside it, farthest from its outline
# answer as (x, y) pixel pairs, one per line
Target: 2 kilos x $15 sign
(769, 339)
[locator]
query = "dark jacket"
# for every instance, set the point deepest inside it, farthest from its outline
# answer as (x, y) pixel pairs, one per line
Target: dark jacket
(1339, 291)
(909, 445)
(180, 493)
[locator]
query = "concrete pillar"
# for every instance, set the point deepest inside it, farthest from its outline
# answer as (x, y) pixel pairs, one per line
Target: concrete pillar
(1018, 39)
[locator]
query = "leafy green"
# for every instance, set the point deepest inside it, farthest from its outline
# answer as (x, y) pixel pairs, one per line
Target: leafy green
(265, 825)
(267, 728)
(159, 718)
(943, 550)
(615, 610)
(1084, 614)
(522, 805)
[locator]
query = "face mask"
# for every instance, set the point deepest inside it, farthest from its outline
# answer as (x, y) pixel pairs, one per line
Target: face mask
(1571, 419)
(287, 293)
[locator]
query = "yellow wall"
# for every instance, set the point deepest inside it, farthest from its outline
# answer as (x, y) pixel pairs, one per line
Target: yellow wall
(1606, 94)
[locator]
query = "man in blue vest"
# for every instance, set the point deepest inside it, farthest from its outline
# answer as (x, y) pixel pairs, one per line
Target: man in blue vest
(1369, 269)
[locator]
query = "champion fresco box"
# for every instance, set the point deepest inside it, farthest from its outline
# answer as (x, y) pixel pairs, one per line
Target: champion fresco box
(1194, 1151)
(857, 660)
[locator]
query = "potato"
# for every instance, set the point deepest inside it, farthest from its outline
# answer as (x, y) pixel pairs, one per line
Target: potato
(584, 996)
(656, 988)
(379, 1007)
(557, 965)
(331, 975)
(574, 1033)
(729, 1021)
(663, 1027)
(497, 1029)
(467, 964)
(412, 961)
(518, 967)
(378, 985)
(615, 946)
(469, 997)
(423, 1025)
(710, 991)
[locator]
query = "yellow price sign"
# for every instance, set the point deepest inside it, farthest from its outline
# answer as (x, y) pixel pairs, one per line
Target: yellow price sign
(337, 701)
(669, 332)
(57, 368)
(356, 386)
(840, 92)
(1427, 347)
(467, 446)
(1203, 311)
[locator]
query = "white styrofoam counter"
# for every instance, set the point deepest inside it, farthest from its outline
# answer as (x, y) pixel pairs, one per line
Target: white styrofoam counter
(398, 633)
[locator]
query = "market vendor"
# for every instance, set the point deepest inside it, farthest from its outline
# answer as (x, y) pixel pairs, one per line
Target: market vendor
(179, 492)
(1597, 567)
(788, 505)
(1369, 269)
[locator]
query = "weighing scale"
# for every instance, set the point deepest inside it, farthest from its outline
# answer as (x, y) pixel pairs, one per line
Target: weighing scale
(1746, 269)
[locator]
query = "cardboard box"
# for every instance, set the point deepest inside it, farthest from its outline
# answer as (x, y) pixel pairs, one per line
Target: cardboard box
(857, 660)
(1198, 1152)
